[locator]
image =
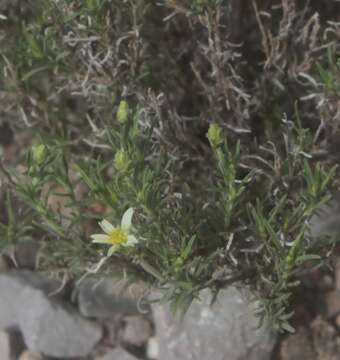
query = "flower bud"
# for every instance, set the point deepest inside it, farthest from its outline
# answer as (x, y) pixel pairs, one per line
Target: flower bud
(123, 112)
(214, 135)
(39, 153)
(121, 161)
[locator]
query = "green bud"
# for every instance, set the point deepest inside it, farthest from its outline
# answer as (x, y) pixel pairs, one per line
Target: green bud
(178, 264)
(39, 153)
(121, 161)
(214, 135)
(35, 181)
(123, 112)
(141, 197)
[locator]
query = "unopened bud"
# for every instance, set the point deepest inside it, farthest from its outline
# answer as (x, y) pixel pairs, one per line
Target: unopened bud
(123, 112)
(214, 135)
(39, 153)
(121, 161)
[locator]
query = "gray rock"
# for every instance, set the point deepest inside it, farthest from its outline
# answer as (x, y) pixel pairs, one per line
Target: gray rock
(46, 326)
(105, 298)
(26, 253)
(118, 354)
(326, 220)
(39, 280)
(5, 347)
(12, 283)
(224, 331)
(50, 329)
(10, 301)
(152, 349)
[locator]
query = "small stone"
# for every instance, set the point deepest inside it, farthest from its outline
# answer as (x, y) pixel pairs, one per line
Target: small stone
(332, 303)
(26, 253)
(325, 339)
(5, 347)
(298, 346)
(105, 298)
(326, 283)
(337, 321)
(152, 349)
(30, 355)
(137, 330)
(118, 354)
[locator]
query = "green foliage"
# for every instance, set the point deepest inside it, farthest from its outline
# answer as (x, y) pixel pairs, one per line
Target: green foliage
(118, 97)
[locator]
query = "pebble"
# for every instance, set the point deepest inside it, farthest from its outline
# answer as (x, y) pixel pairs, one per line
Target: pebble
(30, 355)
(333, 303)
(152, 349)
(5, 348)
(298, 346)
(118, 354)
(337, 322)
(137, 330)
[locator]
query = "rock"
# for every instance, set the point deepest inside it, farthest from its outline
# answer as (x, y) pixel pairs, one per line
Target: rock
(30, 355)
(325, 339)
(46, 326)
(152, 349)
(11, 345)
(332, 303)
(50, 329)
(10, 302)
(337, 276)
(5, 346)
(118, 354)
(298, 346)
(337, 322)
(326, 283)
(38, 280)
(105, 298)
(226, 330)
(26, 253)
(326, 220)
(137, 330)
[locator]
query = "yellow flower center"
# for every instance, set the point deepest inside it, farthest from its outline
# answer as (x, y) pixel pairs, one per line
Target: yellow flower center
(118, 236)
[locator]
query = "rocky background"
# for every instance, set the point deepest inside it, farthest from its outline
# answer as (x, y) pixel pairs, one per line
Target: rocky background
(103, 319)
(45, 318)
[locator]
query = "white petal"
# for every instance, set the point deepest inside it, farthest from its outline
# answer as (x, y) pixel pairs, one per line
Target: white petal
(100, 239)
(126, 219)
(132, 240)
(112, 249)
(106, 226)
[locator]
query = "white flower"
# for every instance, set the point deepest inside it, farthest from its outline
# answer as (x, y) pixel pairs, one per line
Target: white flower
(116, 236)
